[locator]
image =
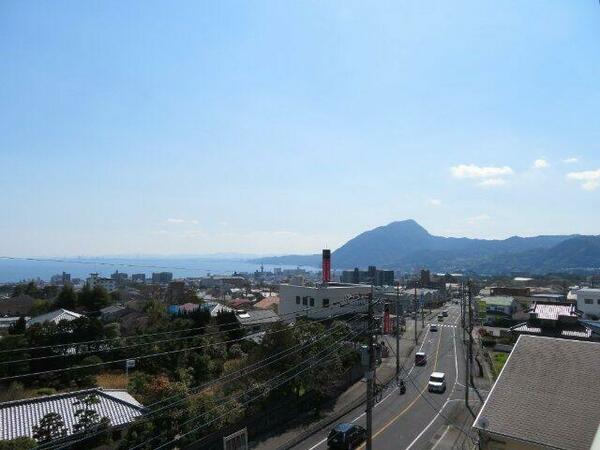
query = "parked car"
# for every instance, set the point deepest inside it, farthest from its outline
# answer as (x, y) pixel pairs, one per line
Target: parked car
(420, 359)
(433, 327)
(346, 435)
(437, 382)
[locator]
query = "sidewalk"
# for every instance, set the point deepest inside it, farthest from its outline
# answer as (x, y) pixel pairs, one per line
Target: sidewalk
(354, 396)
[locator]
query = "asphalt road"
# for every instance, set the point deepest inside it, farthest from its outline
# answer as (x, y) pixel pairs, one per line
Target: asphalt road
(418, 419)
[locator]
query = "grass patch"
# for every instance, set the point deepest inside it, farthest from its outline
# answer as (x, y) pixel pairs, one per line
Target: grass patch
(498, 361)
(112, 380)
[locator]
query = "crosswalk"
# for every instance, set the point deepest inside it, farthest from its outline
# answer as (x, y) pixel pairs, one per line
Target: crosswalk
(445, 325)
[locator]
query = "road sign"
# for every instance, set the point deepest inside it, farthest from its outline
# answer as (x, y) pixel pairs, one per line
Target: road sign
(236, 441)
(130, 363)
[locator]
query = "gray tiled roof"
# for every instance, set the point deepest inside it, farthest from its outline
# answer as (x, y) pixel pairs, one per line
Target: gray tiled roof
(257, 317)
(18, 417)
(547, 394)
(55, 316)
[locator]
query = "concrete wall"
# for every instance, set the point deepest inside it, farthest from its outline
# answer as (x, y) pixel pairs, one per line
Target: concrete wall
(592, 309)
(305, 301)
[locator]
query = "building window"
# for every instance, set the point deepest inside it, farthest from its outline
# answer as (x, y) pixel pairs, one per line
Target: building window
(297, 299)
(598, 301)
(304, 301)
(312, 301)
(589, 301)
(325, 303)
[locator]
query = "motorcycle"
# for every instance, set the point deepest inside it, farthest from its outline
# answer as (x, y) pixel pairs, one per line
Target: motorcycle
(401, 387)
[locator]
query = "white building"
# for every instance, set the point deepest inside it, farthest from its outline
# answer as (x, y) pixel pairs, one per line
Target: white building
(107, 283)
(321, 301)
(588, 302)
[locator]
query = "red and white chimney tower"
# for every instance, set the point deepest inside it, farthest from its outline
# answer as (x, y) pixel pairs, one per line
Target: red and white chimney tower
(326, 265)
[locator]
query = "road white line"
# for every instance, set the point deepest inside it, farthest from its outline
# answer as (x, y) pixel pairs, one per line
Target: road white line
(322, 441)
(441, 437)
(445, 403)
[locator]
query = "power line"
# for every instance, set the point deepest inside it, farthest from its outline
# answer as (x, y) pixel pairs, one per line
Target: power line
(141, 336)
(334, 347)
(153, 355)
(421, 394)
(225, 379)
(312, 365)
(140, 344)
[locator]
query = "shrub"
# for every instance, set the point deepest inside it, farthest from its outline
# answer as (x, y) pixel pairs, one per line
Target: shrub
(46, 391)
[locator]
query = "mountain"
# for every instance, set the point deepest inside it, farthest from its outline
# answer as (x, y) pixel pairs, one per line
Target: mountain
(406, 245)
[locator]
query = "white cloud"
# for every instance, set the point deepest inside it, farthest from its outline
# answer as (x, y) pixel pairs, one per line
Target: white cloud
(570, 160)
(435, 202)
(193, 222)
(588, 179)
(488, 176)
(491, 182)
(540, 164)
(478, 219)
(472, 171)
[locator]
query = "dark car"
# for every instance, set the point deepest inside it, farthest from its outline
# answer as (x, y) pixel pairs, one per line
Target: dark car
(346, 436)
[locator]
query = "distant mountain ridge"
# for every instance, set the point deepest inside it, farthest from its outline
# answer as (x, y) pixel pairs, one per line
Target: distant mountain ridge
(406, 245)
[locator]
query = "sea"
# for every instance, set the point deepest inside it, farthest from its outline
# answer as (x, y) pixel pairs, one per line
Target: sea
(22, 269)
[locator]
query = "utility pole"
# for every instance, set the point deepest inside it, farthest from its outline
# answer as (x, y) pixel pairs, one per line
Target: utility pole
(462, 309)
(470, 329)
(370, 375)
(422, 312)
(398, 331)
(416, 312)
(467, 358)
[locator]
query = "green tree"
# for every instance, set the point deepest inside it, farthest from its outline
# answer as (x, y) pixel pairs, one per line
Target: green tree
(21, 443)
(15, 391)
(93, 299)
(51, 427)
(39, 307)
(86, 416)
(18, 327)
(67, 298)
(30, 289)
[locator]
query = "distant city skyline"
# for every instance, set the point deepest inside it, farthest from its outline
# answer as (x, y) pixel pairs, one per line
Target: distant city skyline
(279, 128)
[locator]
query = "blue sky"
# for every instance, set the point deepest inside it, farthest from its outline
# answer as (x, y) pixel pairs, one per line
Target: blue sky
(274, 127)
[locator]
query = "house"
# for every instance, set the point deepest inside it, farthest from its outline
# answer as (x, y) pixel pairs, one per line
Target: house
(554, 320)
(7, 322)
(113, 312)
(588, 302)
(497, 309)
(55, 317)
(256, 320)
(186, 308)
(271, 302)
(214, 308)
(545, 397)
(18, 417)
(16, 306)
(240, 303)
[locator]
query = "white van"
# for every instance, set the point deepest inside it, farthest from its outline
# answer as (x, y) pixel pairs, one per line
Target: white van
(437, 382)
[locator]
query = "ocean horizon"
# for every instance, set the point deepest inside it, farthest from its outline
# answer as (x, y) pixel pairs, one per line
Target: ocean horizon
(23, 269)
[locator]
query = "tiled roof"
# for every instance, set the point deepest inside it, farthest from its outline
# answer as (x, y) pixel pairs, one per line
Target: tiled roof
(267, 302)
(55, 316)
(578, 331)
(500, 300)
(547, 394)
(547, 311)
(257, 317)
(18, 417)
